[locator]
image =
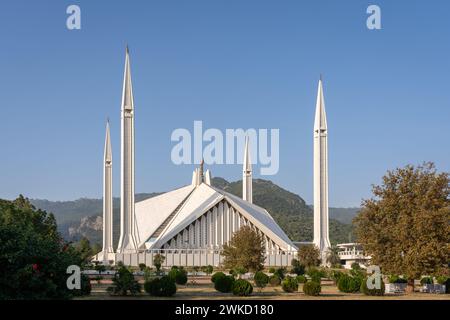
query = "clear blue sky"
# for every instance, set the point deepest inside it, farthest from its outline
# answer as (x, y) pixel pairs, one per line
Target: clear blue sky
(249, 64)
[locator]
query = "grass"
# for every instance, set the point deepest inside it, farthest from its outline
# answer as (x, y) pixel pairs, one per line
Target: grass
(203, 290)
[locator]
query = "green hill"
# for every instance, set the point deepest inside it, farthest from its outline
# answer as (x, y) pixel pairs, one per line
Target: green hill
(82, 217)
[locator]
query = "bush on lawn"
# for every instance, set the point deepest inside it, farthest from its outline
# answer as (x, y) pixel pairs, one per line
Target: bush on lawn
(124, 283)
(261, 279)
(274, 280)
(179, 276)
(239, 271)
(216, 276)
(161, 287)
(426, 280)
(312, 288)
(335, 275)
(372, 292)
(349, 284)
(242, 287)
(297, 267)
(444, 280)
(397, 279)
(207, 269)
(224, 284)
(289, 284)
(301, 279)
(280, 272)
(271, 270)
(142, 266)
(316, 274)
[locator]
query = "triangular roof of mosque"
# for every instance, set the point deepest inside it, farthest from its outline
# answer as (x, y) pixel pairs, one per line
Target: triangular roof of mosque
(177, 209)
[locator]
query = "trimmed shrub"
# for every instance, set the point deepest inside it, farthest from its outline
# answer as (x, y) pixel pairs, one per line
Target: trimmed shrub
(224, 284)
(357, 271)
(355, 266)
(240, 270)
(312, 288)
(151, 286)
(142, 266)
(216, 276)
(261, 279)
(289, 284)
(161, 287)
(208, 269)
(124, 282)
(349, 284)
(297, 267)
(445, 281)
(397, 279)
(280, 272)
(271, 270)
(242, 287)
(441, 279)
(301, 279)
(316, 274)
(274, 280)
(148, 274)
(372, 292)
(179, 276)
(335, 275)
(426, 280)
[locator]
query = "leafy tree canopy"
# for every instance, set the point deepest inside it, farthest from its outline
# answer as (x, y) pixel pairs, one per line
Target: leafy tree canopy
(245, 250)
(405, 226)
(309, 255)
(33, 256)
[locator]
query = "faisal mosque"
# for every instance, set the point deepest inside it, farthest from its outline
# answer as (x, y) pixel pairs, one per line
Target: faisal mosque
(189, 225)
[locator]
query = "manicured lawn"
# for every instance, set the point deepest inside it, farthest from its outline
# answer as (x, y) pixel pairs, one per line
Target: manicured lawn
(202, 289)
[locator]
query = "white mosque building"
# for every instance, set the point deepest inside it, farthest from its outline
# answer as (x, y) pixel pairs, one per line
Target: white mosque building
(189, 225)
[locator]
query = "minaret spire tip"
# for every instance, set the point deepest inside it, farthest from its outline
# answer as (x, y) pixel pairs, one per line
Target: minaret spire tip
(247, 192)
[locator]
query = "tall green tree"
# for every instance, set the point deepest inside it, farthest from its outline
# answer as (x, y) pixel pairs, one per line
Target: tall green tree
(85, 250)
(33, 256)
(309, 255)
(333, 257)
(405, 226)
(245, 250)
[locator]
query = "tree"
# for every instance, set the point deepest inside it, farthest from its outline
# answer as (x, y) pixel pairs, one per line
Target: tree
(207, 269)
(309, 255)
(333, 257)
(245, 250)
(84, 248)
(96, 248)
(33, 256)
(158, 260)
(405, 226)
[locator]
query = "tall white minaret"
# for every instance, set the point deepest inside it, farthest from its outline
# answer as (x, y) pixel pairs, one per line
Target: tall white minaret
(321, 238)
(107, 198)
(127, 240)
(247, 191)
